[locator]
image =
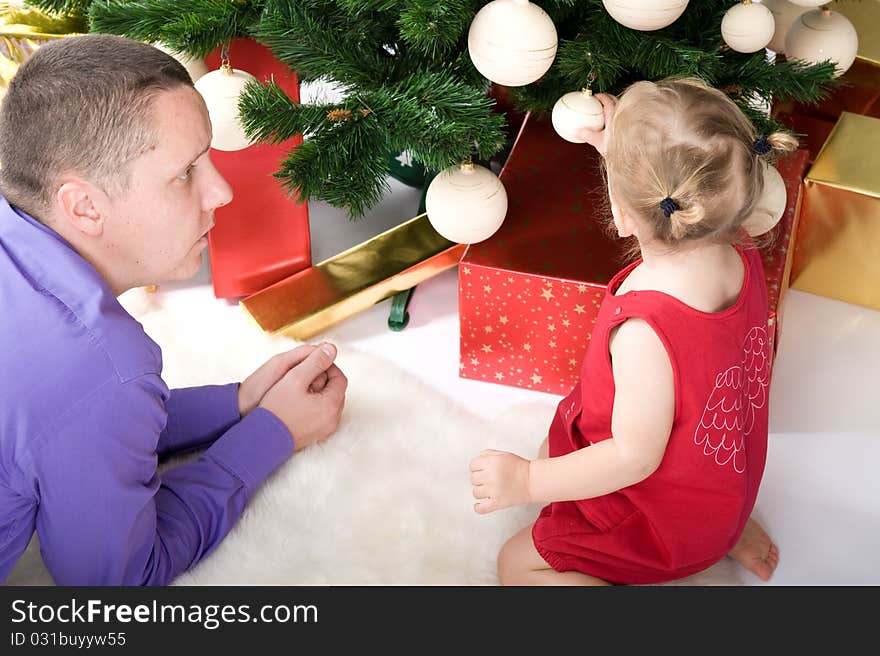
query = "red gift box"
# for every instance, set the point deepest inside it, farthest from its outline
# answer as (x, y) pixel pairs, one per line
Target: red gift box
(859, 93)
(778, 256)
(529, 295)
(262, 236)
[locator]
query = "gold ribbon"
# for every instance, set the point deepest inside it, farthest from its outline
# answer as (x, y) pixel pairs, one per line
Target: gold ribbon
(23, 30)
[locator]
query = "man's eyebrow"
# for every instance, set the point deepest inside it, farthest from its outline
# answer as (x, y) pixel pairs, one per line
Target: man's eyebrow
(204, 150)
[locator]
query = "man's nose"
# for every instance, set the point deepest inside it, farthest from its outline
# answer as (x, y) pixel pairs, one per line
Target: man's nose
(219, 193)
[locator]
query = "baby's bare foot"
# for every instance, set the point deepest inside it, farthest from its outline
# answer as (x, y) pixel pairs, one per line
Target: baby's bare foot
(755, 551)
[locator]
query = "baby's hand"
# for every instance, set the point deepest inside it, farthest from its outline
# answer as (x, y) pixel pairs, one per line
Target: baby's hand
(597, 138)
(500, 479)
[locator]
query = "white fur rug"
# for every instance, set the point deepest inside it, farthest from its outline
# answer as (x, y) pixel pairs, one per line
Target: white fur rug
(385, 501)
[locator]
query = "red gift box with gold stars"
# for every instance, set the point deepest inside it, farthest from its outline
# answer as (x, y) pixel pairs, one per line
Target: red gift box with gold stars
(529, 295)
(779, 254)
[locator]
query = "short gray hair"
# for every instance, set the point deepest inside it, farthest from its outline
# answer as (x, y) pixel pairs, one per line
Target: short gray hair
(81, 104)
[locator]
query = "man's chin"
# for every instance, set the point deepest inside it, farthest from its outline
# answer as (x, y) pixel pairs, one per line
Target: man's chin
(188, 269)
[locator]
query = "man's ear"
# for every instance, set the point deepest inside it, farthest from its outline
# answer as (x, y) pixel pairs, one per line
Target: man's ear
(80, 205)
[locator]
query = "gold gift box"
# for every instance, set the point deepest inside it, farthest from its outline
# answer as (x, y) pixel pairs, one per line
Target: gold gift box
(865, 17)
(314, 299)
(837, 248)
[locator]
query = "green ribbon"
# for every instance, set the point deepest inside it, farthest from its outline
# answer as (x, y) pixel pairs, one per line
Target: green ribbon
(399, 317)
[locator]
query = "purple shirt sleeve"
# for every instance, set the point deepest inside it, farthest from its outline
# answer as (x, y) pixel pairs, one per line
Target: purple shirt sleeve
(198, 416)
(114, 519)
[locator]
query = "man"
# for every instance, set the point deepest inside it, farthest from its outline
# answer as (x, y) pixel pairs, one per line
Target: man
(108, 185)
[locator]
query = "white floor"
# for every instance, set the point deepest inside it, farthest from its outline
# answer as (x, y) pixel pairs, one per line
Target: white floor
(820, 497)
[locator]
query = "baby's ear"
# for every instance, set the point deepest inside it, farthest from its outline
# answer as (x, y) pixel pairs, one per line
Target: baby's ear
(78, 204)
(584, 135)
(622, 221)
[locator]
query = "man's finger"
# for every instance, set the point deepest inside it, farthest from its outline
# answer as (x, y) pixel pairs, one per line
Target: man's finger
(289, 359)
(319, 383)
(333, 371)
(316, 363)
(336, 383)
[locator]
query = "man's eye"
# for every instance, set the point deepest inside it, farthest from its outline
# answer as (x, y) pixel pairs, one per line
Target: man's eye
(186, 174)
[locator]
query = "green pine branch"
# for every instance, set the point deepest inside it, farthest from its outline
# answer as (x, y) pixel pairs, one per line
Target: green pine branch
(435, 29)
(409, 84)
(434, 116)
(62, 7)
(346, 168)
(269, 115)
(763, 123)
(196, 27)
(440, 119)
(787, 79)
(320, 40)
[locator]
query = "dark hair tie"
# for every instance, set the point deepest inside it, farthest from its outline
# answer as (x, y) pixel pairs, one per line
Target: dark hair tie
(762, 146)
(668, 206)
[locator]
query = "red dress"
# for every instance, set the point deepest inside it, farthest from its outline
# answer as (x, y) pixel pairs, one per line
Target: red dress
(690, 512)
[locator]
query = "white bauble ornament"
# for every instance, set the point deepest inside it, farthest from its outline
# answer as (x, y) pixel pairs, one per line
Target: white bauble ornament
(512, 42)
(575, 111)
(747, 27)
(784, 14)
(645, 15)
(195, 67)
(811, 3)
(466, 203)
(822, 34)
(221, 89)
(770, 206)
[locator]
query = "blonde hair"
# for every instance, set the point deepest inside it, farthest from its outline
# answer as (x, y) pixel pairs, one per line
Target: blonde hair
(683, 140)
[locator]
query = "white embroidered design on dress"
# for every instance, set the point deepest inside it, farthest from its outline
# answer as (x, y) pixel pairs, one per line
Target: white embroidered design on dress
(730, 411)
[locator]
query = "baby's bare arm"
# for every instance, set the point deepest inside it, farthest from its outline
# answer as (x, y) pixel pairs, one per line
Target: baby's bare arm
(644, 407)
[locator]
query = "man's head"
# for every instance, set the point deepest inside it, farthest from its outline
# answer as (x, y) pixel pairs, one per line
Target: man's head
(83, 105)
(105, 140)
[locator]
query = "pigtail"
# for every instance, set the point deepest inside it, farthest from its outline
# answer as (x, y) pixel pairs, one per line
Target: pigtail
(684, 159)
(681, 220)
(683, 209)
(759, 220)
(777, 143)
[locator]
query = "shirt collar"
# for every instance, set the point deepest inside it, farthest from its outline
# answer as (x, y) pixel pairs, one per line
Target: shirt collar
(52, 265)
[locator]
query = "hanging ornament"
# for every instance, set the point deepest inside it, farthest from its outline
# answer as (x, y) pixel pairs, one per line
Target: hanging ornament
(512, 42)
(221, 89)
(822, 34)
(645, 15)
(770, 206)
(195, 67)
(748, 26)
(575, 111)
(466, 203)
(784, 14)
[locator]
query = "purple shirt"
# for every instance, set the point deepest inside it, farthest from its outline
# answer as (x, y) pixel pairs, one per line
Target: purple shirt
(84, 418)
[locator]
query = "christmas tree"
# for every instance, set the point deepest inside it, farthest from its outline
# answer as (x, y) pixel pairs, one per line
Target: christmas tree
(410, 83)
